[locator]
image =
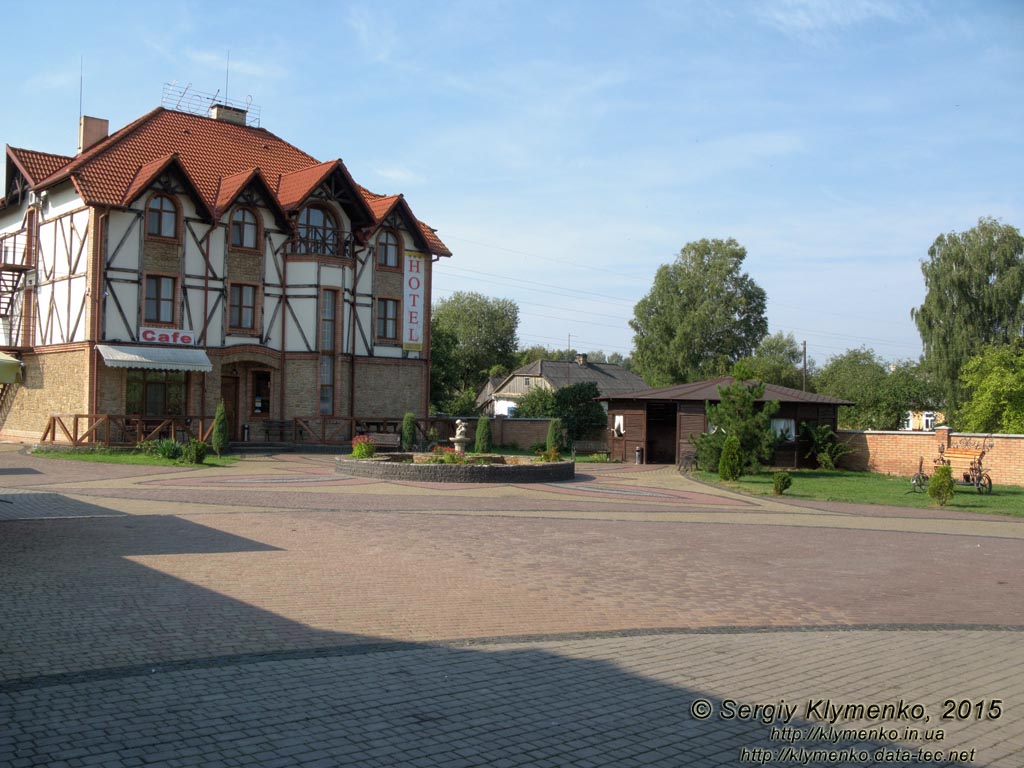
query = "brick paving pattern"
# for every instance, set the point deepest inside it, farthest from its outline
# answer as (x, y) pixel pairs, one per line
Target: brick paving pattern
(277, 613)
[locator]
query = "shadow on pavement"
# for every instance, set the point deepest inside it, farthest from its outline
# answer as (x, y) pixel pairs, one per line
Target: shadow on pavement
(105, 660)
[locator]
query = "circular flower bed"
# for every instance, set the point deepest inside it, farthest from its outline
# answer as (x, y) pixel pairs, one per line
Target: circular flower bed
(423, 467)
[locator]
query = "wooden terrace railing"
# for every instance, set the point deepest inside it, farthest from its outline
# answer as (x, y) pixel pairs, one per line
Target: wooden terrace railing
(109, 429)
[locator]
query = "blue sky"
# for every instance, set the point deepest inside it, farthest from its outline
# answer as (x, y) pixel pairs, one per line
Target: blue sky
(565, 150)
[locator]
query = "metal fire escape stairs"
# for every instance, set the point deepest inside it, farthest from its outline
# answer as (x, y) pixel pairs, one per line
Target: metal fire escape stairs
(16, 273)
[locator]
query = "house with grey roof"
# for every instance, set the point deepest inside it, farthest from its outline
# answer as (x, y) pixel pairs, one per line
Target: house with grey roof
(500, 399)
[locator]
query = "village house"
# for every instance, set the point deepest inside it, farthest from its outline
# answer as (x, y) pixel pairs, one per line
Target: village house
(499, 396)
(192, 258)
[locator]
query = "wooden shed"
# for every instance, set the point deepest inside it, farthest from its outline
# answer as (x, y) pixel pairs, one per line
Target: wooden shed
(661, 421)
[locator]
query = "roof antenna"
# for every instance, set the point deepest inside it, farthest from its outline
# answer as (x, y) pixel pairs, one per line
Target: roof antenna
(227, 73)
(81, 81)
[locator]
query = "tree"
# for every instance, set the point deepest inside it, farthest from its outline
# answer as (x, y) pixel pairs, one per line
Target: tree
(444, 378)
(477, 333)
(975, 296)
(701, 315)
(580, 413)
(738, 415)
(881, 392)
(993, 389)
(408, 431)
(483, 435)
(219, 437)
(538, 403)
(778, 359)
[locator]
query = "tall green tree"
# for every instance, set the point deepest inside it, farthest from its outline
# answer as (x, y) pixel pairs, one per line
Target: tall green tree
(778, 359)
(993, 389)
(470, 334)
(881, 392)
(975, 296)
(702, 314)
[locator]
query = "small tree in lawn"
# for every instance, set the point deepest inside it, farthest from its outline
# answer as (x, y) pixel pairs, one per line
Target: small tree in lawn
(554, 440)
(738, 415)
(219, 438)
(483, 435)
(408, 431)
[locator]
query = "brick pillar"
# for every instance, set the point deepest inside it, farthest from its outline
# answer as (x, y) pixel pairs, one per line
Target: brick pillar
(498, 430)
(945, 435)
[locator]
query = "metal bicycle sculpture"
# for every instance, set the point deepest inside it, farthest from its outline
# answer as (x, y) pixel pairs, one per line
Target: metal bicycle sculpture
(966, 459)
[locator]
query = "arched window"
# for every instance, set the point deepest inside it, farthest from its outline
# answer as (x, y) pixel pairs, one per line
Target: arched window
(317, 232)
(162, 217)
(388, 254)
(245, 230)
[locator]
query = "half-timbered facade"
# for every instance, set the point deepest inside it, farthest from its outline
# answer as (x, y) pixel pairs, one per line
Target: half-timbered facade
(185, 259)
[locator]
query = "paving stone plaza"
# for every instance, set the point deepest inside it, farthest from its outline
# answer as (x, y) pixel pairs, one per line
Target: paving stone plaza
(278, 613)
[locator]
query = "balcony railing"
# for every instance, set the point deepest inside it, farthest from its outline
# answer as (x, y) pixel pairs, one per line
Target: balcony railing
(334, 243)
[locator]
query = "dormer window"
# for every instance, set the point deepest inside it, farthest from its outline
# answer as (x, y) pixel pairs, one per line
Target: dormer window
(162, 217)
(317, 232)
(245, 229)
(388, 253)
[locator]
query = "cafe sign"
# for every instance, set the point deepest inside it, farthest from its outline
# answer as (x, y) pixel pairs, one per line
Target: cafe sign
(167, 336)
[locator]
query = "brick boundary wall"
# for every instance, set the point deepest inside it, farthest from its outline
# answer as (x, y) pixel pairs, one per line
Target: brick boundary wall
(505, 431)
(900, 453)
(458, 473)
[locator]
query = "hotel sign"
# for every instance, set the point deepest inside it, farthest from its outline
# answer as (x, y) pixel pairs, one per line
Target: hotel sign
(167, 336)
(413, 280)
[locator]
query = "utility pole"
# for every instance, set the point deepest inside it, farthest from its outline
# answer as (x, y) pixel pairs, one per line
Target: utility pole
(805, 366)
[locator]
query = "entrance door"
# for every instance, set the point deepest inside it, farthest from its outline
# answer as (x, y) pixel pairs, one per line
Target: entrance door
(229, 393)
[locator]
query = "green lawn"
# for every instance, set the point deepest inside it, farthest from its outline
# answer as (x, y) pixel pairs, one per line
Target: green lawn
(872, 488)
(115, 456)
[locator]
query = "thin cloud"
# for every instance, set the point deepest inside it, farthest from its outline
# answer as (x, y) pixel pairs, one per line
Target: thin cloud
(810, 19)
(399, 175)
(375, 35)
(219, 61)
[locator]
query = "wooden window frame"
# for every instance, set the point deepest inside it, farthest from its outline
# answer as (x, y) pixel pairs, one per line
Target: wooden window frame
(257, 306)
(257, 225)
(389, 340)
(399, 251)
(333, 244)
(157, 323)
(152, 377)
(176, 237)
(328, 353)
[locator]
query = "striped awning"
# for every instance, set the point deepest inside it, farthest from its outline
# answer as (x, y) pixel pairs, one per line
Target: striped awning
(10, 368)
(156, 358)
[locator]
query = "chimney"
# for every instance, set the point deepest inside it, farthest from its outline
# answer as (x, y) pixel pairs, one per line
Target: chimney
(90, 131)
(227, 114)
(581, 360)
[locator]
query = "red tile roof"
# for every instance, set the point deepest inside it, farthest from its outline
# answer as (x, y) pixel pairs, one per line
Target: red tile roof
(217, 157)
(36, 166)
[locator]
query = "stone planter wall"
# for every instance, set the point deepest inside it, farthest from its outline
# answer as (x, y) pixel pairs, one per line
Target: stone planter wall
(459, 473)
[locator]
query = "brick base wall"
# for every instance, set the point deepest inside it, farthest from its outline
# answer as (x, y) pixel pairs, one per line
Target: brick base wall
(388, 388)
(52, 382)
(900, 453)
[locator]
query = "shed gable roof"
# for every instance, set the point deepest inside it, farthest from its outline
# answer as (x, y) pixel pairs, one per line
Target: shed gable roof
(707, 390)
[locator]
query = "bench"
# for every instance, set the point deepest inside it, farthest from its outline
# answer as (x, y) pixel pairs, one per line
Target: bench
(966, 467)
(271, 429)
(391, 440)
(589, 446)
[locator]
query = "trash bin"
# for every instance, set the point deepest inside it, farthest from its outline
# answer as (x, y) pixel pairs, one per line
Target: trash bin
(639, 454)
